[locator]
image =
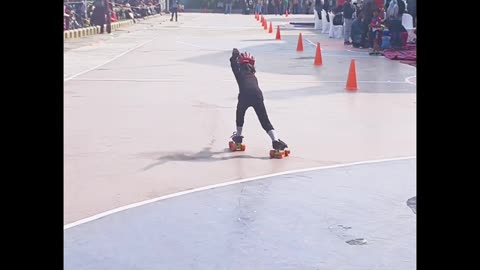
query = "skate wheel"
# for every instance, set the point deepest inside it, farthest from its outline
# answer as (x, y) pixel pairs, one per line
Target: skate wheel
(272, 153)
(232, 146)
(287, 152)
(243, 147)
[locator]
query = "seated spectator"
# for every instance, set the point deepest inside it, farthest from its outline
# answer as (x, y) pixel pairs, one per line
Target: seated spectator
(395, 12)
(398, 33)
(359, 28)
(337, 17)
(129, 12)
(376, 29)
(90, 11)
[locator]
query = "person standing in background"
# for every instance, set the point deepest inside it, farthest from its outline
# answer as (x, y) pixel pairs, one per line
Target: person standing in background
(348, 10)
(228, 6)
(295, 6)
(174, 10)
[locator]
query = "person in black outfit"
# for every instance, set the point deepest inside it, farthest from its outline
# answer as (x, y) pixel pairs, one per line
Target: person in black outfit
(174, 10)
(359, 28)
(348, 10)
(326, 7)
(243, 67)
(318, 8)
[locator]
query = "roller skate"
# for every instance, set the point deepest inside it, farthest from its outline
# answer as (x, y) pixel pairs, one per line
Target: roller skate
(279, 149)
(236, 143)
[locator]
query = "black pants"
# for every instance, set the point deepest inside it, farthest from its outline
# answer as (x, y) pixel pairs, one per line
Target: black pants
(395, 27)
(174, 11)
(259, 107)
(295, 8)
(99, 18)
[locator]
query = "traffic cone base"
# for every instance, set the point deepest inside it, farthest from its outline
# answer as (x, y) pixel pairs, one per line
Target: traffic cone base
(270, 30)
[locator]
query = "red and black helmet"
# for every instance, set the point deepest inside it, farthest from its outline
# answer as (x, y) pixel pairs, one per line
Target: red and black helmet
(246, 58)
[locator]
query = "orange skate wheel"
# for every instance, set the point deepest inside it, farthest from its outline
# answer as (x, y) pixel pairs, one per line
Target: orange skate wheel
(232, 146)
(272, 153)
(243, 147)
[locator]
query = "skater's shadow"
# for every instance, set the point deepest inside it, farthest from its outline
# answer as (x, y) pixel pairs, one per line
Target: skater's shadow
(205, 155)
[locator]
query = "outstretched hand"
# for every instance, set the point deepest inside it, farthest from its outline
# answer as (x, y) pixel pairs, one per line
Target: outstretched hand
(235, 52)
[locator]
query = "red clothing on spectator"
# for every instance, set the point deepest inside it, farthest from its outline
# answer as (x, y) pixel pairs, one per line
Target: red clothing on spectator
(376, 23)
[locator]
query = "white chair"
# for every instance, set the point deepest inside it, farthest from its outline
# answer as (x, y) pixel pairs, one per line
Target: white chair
(407, 22)
(338, 31)
(325, 24)
(335, 31)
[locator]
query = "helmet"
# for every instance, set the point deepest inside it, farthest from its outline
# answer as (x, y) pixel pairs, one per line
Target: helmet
(246, 58)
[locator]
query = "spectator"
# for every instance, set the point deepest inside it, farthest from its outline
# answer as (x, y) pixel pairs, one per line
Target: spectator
(348, 11)
(277, 7)
(359, 28)
(376, 31)
(337, 17)
(265, 6)
(284, 6)
(228, 6)
(98, 15)
(307, 4)
(174, 10)
(295, 6)
(367, 10)
(412, 9)
(394, 21)
(129, 12)
(326, 7)
(259, 6)
(66, 18)
(318, 8)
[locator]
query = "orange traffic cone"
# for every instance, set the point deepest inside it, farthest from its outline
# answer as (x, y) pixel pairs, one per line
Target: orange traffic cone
(352, 77)
(270, 30)
(318, 56)
(265, 25)
(278, 33)
(300, 43)
(255, 15)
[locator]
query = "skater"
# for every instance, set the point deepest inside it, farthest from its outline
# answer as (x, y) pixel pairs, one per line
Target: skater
(243, 67)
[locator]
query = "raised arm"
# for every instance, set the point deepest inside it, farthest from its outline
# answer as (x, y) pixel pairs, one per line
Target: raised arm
(234, 64)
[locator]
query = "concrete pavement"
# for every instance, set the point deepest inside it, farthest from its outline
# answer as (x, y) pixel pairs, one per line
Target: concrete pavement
(149, 111)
